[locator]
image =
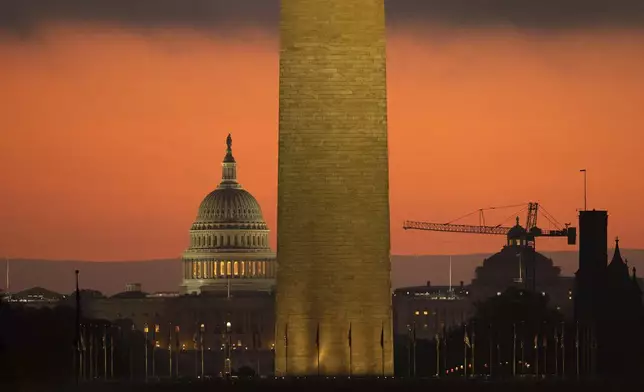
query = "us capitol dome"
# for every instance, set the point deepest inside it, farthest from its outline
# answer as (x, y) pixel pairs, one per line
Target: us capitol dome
(229, 247)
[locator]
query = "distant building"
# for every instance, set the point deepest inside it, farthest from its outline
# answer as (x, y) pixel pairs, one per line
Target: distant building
(36, 297)
(429, 309)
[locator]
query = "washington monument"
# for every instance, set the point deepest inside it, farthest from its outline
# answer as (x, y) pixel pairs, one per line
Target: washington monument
(333, 279)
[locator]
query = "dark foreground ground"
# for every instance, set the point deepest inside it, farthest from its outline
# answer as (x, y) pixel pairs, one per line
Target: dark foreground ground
(370, 385)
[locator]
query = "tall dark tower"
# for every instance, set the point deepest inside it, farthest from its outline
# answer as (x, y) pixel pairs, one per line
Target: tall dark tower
(593, 259)
(590, 290)
(333, 280)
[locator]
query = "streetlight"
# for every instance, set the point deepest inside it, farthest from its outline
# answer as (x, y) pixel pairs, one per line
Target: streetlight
(202, 330)
(227, 364)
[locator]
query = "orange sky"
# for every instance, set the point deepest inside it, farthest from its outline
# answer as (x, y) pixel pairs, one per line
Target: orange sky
(111, 138)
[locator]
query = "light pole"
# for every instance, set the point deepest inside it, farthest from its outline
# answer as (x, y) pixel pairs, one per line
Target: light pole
(227, 364)
(202, 330)
(585, 205)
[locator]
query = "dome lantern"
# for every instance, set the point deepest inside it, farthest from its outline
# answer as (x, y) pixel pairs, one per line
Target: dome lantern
(517, 235)
(229, 167)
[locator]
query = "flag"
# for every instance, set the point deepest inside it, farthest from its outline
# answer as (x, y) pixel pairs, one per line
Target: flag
(413, 334)
(177, 341)
(349, 337)
(170, 338)
(382, 337)
(562, 338)
(82, 340)
(514, 331)
(466, 339)
(544, 343)
(536, 341)
(317, 337)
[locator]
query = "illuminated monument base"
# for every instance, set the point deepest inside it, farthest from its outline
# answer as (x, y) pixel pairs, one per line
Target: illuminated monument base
(333, 280)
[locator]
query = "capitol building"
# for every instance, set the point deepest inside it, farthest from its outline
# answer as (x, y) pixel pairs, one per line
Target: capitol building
(228, 240)
(225, 305)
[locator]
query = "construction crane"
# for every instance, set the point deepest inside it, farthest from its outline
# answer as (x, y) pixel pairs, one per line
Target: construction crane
(531, 228)
(516, 235)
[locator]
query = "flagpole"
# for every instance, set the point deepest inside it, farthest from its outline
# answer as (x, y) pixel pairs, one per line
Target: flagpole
(78, 314)
(473, 349)
(90, 339)
(202, 330)
(286, 349)
(536, 354)
(170, 349)
(177, 338)
(317, 346)
(257, 343)
(465, 341)
(514, 350)
(145, 331)
(414, 349)
(350, 352)
(556, 334)
(563, 350)
(154, 350)
(522, 348)
(131, 352)
(111, 355)
(382, 348)
(445, 351)
(105, 352)
(81, 355)
(438, 356)
(491, 351)
(545, 352)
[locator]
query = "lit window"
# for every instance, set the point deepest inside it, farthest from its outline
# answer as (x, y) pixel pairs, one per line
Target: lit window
(416, 313)
(222, 268)
(425, 313)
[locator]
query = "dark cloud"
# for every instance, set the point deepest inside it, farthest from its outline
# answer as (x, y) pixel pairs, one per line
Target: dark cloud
(527, 14)
(25, 16)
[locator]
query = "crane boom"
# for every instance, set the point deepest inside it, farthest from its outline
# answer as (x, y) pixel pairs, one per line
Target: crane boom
(531, 225)
(447, 227)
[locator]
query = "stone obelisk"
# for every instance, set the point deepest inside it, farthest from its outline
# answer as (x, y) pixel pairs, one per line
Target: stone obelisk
(333, 279)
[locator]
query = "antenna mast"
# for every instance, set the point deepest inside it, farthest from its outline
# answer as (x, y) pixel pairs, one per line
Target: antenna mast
(7, 287)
